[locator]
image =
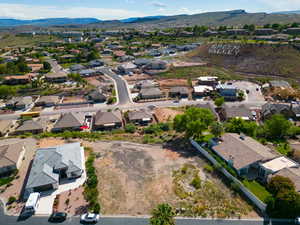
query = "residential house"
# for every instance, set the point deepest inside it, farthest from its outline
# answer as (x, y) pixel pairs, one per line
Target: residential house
(56, 77)
(242, 153)
(181, 92)
(236, 111)
(35, 68)
(87, 73)
(150, 93)
(5, 126)
(274, 166)
(69, 121)
(237, 32)
(127, 68)
(30, 126)
(229, 92)
(20, 103)
(47, 101)
(76, 68)
(293, 173)
(126, 58)
(210, 107)
(288, 110)
(97, 96)
(107, 120)
(292, 31)
(202, 90)
(11, 157)
(207, 81)
(52, 165)
(18, 79)
(156, 65)
(142, 62)
(146, 84)
(264, 31)
(140, 117)
(95, 63)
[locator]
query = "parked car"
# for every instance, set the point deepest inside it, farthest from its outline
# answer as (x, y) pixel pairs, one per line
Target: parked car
(89, 218)
(58, 217)
(297, 221)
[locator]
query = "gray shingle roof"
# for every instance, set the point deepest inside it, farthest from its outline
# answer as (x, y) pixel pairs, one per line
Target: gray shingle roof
(102, 118)
(29, 125)
(138, 115)
(233, 111)
(69, 120)
(243, 151)
(150, 92)
(48, 159)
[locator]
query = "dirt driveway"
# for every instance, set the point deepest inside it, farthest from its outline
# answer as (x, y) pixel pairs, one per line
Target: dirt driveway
(134, 178)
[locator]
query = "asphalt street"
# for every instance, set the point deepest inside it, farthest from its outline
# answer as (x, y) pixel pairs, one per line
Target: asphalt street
(123, 94)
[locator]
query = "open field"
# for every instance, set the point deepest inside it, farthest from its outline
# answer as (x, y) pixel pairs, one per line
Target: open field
(134, 178)
(12, 41)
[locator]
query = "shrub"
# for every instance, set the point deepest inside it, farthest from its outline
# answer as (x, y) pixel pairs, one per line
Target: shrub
(196, 182)
(11, 200)
(209, 168)
(130, 128)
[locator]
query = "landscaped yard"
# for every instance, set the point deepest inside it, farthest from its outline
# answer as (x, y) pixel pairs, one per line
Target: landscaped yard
(260, 191)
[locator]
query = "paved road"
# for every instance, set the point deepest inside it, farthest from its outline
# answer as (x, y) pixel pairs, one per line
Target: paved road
(122, 90)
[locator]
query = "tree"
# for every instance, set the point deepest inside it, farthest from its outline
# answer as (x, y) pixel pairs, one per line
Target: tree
(217, 129)
(162, 215)
(193, 122)
(279, 183)
(219, 101)
(130, 128)
(47, 66)
(277, 127)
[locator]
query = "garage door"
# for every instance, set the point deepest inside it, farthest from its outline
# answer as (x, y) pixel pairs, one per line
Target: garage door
(43, 188)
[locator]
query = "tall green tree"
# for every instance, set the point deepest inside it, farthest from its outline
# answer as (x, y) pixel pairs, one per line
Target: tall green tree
(193, 122)
(162, 215)
(216, 129)
(219, 101)
(277, 127)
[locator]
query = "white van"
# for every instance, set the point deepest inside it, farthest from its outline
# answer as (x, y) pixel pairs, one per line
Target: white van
(32, 203)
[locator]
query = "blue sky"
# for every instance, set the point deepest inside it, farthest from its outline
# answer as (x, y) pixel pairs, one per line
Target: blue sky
(118, 9)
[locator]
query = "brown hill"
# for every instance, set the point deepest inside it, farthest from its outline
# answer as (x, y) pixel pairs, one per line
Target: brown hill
(260, 59)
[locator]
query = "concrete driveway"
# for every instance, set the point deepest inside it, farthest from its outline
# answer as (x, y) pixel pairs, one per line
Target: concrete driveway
(253, 95)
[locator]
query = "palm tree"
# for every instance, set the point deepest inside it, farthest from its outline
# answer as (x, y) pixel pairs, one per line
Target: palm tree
(162, 215)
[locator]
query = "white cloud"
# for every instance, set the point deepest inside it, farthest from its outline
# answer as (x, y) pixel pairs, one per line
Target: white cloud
(159, 5)
(22, 11)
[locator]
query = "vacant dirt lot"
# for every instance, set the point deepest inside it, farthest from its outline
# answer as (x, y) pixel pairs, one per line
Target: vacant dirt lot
(173, 83)
(165, 114)
(74, 99)
(134, 178)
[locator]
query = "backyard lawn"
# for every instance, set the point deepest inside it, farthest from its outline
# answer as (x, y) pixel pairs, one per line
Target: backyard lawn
(260, 191)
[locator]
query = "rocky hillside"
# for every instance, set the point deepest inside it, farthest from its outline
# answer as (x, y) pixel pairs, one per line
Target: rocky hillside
(252, 58)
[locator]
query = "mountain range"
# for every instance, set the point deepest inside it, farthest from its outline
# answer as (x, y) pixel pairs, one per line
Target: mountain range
(230, 18)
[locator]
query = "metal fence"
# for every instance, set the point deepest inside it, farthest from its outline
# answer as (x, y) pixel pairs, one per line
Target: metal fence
(256, 201)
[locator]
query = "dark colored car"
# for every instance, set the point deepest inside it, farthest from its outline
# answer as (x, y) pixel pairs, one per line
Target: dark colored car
(58, 217)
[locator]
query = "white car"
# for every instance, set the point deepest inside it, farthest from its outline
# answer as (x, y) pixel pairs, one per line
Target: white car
(297, 221)
(89, 218)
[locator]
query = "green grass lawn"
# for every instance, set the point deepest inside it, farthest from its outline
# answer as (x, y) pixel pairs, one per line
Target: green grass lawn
(257, 189)
(13, 41)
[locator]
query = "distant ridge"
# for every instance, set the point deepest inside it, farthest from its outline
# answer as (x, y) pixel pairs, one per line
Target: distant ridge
(48, 22)
(288, 12)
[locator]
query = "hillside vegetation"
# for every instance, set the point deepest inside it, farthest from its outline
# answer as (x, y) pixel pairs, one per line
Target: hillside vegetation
(260, 59)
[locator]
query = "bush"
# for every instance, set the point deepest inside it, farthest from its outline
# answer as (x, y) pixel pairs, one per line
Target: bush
(11, 200)
(196, 182)
(96, 208)
(209, 168)
(130, 128)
